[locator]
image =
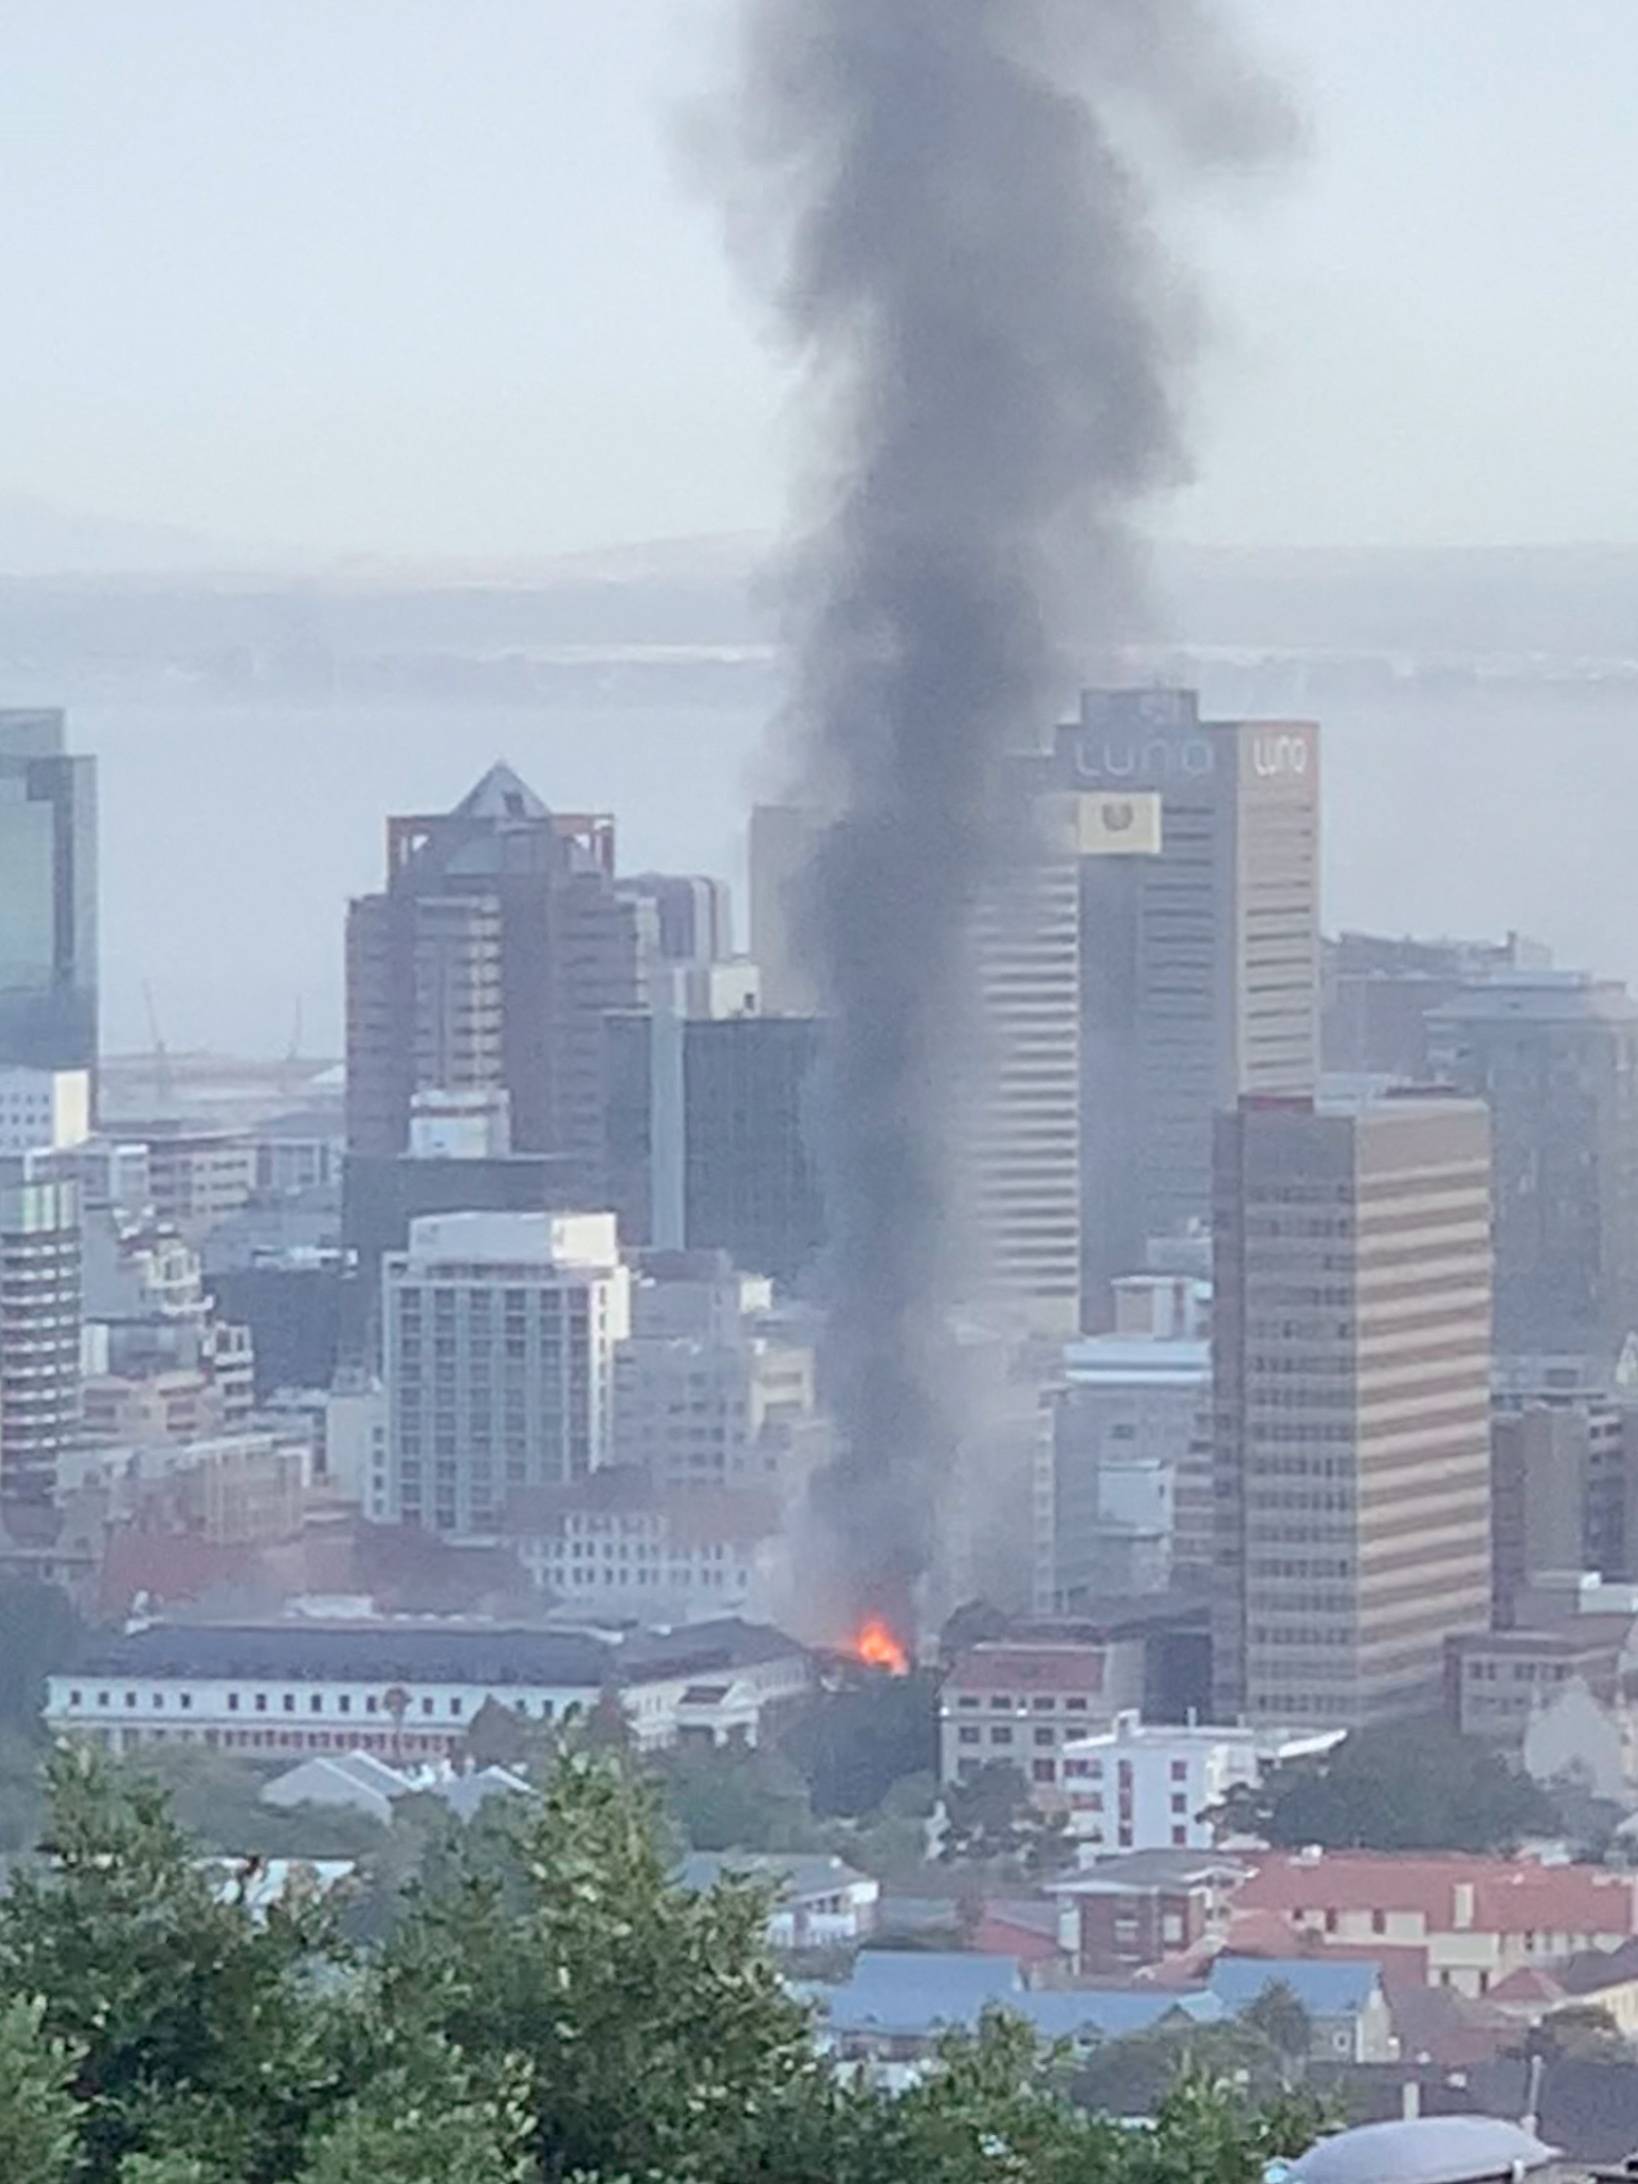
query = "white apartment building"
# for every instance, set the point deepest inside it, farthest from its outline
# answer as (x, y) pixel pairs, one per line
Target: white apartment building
(500, 1331)
(411, 1691)
(1141, 1785)
(44, 1110)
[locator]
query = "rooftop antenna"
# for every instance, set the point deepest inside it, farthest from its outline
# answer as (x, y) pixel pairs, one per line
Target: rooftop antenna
(291, 1072)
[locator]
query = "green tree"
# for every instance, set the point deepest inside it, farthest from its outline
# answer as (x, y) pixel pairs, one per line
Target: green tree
(40, 1634)
(188, 2020)
(420, 2116)
(737, 1797)
(991, 1818)
(549, 2008)
(39, 2119)
(604, 1726)
(853, 1743)
(1132, 2077)
(216, 1800)
(499, 1736)
(22, 1790)
(1283, 2022)
(656, 2028)
(1411, 1786)
(1208, 2134)
(1583, 2033)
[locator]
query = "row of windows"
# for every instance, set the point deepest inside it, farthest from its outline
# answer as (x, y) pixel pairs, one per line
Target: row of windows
(1001, 1735)
(1001, 1700)
(261, 1702)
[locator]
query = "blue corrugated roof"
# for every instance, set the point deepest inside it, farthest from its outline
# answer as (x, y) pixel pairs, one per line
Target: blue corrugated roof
(1325, 1989)
(917, 1993)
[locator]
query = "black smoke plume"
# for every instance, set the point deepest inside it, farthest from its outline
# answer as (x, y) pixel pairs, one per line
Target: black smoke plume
(947, 202)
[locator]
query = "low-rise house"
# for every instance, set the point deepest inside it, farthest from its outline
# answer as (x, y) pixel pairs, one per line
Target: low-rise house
(261, 1884)
(898, 2004)
(821, 1903)
(1127, 1913)
(1479, 1919)
(1597, 1979)
(362, 1783)
(1347, 2008)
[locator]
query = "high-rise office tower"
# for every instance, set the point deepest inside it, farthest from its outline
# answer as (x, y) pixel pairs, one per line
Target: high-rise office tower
(1018, 1136)
(783, 838)
(1351, 1375)
(499, 944)
(709, 1145)
(48, 897)
(1555, 1055)
(1200, 960)
(694, 917)
(39, 1334)
(501, 1331)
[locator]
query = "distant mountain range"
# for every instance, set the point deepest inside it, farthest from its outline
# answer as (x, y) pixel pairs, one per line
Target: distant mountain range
(1567, 602)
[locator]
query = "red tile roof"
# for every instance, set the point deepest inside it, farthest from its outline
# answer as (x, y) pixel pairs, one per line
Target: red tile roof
(1026, 1669)
(1509, 1896)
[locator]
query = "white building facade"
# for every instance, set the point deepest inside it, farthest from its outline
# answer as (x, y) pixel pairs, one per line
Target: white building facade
(44, 1110)
(1149, 1785)
(412, 1691)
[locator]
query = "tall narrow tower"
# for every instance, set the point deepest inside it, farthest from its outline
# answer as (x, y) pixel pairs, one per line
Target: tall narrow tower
(48, 897)
(1351, 1368)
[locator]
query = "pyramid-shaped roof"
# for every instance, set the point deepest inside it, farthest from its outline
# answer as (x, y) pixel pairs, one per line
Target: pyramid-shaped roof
(501, 794)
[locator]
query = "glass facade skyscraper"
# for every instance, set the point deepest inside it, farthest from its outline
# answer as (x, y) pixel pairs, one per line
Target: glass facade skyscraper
(48, 896)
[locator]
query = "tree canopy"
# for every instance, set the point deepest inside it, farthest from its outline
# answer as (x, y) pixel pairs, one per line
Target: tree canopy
(547, 2006)
(1420, 1787)
(992, 1817)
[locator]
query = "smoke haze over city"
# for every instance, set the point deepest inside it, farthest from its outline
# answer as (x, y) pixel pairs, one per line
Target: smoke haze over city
(818, 1067)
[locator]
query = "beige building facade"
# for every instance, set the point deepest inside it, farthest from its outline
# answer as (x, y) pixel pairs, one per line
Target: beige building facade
(1352, 1346)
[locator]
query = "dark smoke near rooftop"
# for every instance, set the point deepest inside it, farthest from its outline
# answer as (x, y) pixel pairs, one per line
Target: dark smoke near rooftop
(941, 196)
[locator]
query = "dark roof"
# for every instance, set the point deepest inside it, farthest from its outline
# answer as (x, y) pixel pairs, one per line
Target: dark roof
(475, 1653)
(1595, 1969)
(698, 1648)
(1588, 2108)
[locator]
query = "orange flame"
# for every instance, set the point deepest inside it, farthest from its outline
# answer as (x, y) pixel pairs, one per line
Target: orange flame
(877, 1647)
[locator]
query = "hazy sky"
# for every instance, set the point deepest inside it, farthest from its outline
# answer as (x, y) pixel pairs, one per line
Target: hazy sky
(421, 275)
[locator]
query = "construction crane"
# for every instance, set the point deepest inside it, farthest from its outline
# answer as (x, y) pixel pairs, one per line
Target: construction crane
(164, 1087)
